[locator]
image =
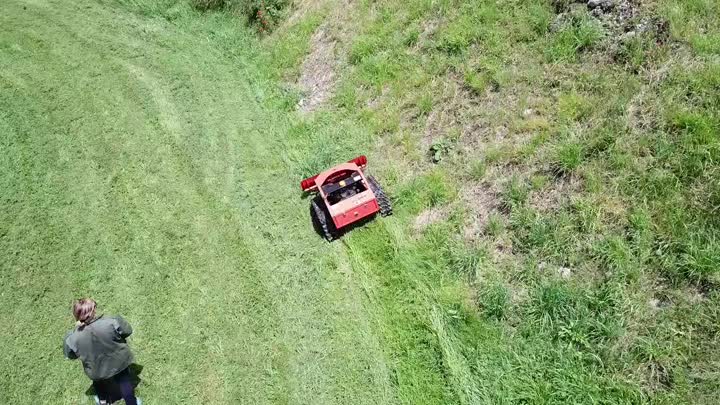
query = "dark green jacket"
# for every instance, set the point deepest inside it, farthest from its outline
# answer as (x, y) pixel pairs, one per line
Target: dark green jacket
(101, 347)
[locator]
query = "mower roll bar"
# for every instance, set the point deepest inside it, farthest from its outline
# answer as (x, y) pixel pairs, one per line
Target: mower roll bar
(309, 185)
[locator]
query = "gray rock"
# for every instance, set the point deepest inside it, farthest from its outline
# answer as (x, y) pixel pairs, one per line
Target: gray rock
(603, 5)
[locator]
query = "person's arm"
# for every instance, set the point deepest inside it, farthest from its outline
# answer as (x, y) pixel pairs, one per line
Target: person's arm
(67, 350)
(122, 327)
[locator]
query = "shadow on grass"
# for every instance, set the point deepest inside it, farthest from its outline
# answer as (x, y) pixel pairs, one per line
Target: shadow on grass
(114, 389)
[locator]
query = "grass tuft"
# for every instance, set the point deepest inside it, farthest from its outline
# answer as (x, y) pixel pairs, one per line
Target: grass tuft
(576, 36)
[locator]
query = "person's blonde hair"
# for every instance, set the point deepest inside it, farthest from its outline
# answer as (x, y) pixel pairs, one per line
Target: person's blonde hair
(84, 310)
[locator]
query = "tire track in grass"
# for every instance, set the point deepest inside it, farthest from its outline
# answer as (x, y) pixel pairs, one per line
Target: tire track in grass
(426, 370)
(248, 302)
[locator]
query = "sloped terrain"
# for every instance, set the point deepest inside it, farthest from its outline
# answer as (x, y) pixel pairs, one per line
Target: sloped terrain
(552, 163)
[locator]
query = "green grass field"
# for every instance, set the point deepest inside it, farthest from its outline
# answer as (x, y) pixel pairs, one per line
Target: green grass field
(147, 168)
(150, 157)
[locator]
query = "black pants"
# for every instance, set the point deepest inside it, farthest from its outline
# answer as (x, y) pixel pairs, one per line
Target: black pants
(104, 388)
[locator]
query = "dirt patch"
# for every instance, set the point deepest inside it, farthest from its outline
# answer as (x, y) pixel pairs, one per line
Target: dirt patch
(428, 30)
(482, 200)
(499, 119)
(318, 71)
(469, 121)
(452, 110)
(429, 217)
(375, 102)
(556, 194)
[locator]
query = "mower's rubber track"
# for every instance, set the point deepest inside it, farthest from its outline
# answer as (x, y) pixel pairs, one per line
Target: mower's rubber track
(382, 198)
(321, 219)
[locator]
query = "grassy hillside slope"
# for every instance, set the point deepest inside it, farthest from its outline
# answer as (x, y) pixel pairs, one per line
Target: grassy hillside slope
(580, 143)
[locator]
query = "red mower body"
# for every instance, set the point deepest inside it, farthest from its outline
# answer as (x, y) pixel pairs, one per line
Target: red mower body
(345, 196)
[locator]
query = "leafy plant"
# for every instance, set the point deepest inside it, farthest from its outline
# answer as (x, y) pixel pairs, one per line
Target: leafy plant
(439, 149)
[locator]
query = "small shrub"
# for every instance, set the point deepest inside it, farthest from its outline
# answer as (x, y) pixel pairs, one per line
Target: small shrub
(633, 52)
(411, 37)
(561, 6)
(529, 22)
(615, 254)
(379, 68)
(208, 4)
(383, 121)
(497, 154)
(479, 81)
(539, 181)
(602, 140)
(476, 82)
(426, 191)
(583, 318)
(701, 258)
(470, 26)
(539, 17)
(586, 215)
(464, 260)
(346, 96)
(554, 303)
(456, 37)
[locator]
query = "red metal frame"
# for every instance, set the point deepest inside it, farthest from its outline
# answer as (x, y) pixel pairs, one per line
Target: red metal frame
(352, 209)
(310, 184)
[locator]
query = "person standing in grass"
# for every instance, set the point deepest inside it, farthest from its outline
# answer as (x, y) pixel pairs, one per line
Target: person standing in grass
(100, 344)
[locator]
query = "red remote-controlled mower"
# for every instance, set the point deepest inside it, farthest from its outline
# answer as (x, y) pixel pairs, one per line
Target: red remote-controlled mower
(345, 195)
